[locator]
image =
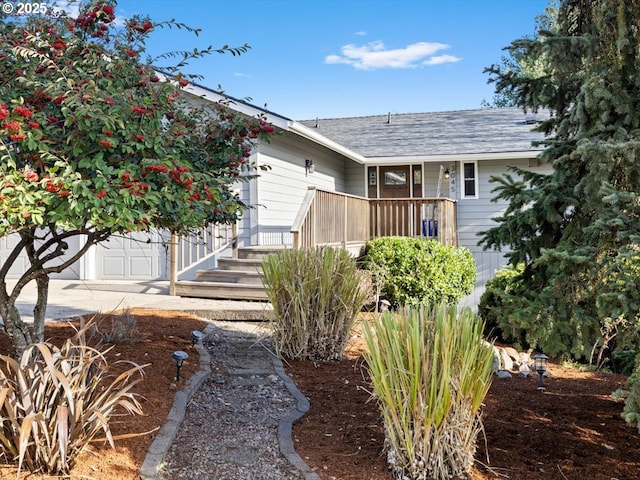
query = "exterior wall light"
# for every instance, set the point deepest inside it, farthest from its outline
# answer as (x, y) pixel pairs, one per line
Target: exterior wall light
(309, 167)
(447, 174)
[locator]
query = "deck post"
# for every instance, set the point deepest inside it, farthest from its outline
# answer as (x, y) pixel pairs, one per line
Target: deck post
(346, 222)
(173, 264)
(234, 240)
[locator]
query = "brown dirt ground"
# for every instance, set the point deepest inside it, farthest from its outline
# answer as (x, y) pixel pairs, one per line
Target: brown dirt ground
(573, 431)
(161, 333)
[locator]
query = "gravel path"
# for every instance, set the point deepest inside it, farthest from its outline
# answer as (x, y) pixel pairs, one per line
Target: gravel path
(230, 430)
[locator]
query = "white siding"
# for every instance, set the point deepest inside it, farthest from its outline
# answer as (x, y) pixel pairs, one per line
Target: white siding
(476, 215)
(431, 178)
(281, 189)
(355, 178)
(21, 264)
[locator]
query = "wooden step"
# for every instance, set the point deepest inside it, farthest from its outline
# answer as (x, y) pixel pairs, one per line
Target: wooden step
(244, 264)
(229, 276)
(234, 279)
(259, 252)
(230, 291)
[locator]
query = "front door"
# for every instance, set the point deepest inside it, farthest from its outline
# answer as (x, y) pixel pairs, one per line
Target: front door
(395, 182)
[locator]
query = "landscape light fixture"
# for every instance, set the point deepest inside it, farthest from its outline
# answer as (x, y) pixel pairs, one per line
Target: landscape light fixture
(309, 167)
(196, 336)
(540, 366)
(447, 174)
(179, 356)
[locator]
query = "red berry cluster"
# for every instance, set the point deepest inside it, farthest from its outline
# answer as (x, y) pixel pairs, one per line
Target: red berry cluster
(178, 176)
(56, 188)
(4, 111)
(23, 111)
(135, 186)
(157, 168)
(143, 27)
(100, 13)
(30, 175)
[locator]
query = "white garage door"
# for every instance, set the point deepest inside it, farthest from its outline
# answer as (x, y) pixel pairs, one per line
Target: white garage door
(139, 256)
(21, 264)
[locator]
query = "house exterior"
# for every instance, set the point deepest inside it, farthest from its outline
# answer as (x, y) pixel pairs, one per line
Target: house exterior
(421, 155)
(448, 154)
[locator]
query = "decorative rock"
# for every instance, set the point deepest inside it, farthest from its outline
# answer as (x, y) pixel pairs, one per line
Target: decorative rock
(513, 354)
(503, 374)
(495, 366)
(505, 360)
(525, 358)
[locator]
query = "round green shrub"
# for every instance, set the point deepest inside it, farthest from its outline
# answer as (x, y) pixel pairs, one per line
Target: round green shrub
(414, 271)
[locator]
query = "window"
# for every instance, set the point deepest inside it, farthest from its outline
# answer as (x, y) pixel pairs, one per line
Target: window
(395, 178)
(470, 180)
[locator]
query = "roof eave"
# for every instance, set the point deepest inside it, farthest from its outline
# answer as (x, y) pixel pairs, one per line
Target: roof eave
(312, 135)
(457, 157)
(276, 120)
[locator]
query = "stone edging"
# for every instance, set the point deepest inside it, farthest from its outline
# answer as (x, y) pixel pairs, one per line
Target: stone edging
(167, 433)
(285, 439)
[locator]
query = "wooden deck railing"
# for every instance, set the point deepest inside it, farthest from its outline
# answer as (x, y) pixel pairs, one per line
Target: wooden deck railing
(331, 218)
(414, 217)
(197, 247)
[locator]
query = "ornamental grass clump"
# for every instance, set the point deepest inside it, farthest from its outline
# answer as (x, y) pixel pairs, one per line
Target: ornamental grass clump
(430, 371)
(55, 401)
(316, 295)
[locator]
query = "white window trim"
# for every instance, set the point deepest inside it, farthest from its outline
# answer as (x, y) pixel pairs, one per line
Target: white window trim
(461, 182)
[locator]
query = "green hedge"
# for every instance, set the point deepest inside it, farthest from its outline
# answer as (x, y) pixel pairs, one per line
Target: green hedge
(414, 271)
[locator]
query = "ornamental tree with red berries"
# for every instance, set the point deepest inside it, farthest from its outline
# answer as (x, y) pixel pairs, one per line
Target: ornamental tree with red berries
(95, 142)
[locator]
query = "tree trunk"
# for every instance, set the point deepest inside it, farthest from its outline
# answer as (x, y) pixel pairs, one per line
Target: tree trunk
(40, 308)
(19, 332)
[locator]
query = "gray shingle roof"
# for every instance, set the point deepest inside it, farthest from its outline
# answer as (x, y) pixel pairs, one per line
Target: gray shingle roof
(498, 130)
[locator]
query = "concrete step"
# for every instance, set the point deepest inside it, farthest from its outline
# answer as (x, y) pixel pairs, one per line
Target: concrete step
(231, 291)
(229, 276)
(244, 264)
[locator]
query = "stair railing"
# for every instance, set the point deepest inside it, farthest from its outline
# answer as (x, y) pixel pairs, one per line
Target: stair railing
(186, 251)
(330, 218)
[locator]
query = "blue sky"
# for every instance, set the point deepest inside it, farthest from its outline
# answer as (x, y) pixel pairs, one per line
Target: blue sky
(342, 58)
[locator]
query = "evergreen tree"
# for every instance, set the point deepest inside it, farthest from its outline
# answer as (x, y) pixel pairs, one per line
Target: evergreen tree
(518, 63)
(577, 230)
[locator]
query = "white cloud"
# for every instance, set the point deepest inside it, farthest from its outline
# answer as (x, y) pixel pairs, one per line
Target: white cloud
(71, 9)
(244, 75)
(440, 59)
(361, 33)
(375, 55)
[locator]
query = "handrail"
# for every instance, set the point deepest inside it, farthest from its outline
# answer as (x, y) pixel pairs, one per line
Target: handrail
(186, 251)
(343, 219)
(303, 212)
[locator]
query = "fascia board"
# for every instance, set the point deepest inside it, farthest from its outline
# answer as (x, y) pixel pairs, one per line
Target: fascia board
(312, 135)
(452, 158)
